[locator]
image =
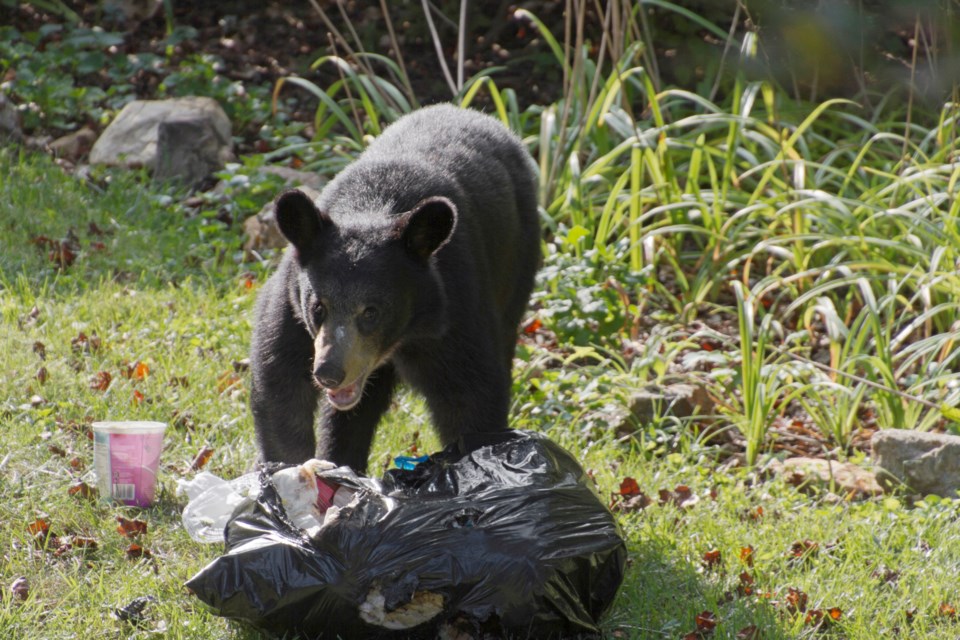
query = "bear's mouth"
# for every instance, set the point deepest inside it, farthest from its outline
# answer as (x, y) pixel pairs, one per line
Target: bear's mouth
(347, 397)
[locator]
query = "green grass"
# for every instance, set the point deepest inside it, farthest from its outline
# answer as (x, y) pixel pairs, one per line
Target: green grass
(720, 243)
(183, 309)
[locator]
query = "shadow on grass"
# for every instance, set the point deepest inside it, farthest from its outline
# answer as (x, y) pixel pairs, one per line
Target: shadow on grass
(662, 597)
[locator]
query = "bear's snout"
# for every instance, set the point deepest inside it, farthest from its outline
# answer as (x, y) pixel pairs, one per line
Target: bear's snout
(330, 375)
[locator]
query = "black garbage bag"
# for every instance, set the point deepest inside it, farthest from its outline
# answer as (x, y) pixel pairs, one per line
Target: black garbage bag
(498, 536)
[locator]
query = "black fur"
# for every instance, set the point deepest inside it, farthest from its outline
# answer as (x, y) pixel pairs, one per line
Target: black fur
(420, 257)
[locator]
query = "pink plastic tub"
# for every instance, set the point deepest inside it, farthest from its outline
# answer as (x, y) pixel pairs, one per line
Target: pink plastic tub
(126, 456)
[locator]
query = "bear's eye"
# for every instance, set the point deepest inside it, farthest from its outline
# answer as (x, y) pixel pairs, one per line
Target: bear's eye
(319, 313)
(370, 314)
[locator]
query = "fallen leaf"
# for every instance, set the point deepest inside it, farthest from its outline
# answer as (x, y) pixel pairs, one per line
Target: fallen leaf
(706, 622)
(746, 555)
(40, 349)
(886, 576)
(681, 496)
(803, 550)
(131, 528)
(202, 458)
(40, 530)
(533, 326)
(751, 632)
(635, 503)
(42, 376)
(133, 612)
(83, 490)
(796, 600)
(227, 381)
(82, 542)
(60, 452)
(745, 588)
(101, 381)
(135, 552)
(136, 371)
(94, 230)
(947, 610)
(813, 618)
(179, 381)
(137, 397)
(629, 487)
(83, 343)
(754, 514)
(712, 559)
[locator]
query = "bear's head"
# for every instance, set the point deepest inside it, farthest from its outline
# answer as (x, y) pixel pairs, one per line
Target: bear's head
(365, 286)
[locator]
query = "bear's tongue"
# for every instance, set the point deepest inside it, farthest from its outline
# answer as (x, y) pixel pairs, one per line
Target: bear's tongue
(344, 397)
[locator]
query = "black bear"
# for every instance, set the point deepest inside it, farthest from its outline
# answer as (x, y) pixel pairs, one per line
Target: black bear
(416, 263)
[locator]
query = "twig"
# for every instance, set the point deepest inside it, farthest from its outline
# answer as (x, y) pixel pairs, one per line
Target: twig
(359, 60)
(436, 44)
(860, 379)
(461, 43)
(913, 75)
(346, 87)
(405, 78)
(726, 50)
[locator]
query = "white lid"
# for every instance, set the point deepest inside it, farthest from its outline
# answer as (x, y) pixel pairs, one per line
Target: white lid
(130, 426)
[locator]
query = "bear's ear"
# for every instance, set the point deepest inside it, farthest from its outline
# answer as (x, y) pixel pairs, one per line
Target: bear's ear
(427, 227)
(299, 220)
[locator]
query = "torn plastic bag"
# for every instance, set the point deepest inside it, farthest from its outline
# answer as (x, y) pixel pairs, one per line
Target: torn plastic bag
(500, 535)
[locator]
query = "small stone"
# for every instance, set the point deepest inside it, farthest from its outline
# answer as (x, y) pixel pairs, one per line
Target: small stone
(75, 145)
(844, 478)
(262, 231)
(677, 400)
(20, 589)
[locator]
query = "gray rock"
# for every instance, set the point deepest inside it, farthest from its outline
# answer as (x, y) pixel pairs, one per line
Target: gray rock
(9, 121)
(654, 402)
(677, 400)
(844, 478)
(132, 139)
(295, 177)
(73, 146)
(927, 463)
(188, 150)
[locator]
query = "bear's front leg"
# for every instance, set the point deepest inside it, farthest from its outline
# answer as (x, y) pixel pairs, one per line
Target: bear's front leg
(283, 398)
(346, 436)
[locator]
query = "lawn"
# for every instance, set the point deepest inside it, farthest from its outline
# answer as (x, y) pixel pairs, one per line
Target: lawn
(724, 243)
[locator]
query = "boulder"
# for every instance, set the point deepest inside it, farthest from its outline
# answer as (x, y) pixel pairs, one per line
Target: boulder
(188, 150)
(927, 463)
(196, 138)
